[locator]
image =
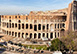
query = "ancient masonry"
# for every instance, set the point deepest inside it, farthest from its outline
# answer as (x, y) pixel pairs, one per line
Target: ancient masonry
(36, 25)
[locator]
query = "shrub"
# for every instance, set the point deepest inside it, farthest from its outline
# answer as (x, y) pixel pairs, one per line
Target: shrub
(56, 45)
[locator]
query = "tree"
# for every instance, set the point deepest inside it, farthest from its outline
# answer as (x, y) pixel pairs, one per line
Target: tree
(68, 40)
(56, 45)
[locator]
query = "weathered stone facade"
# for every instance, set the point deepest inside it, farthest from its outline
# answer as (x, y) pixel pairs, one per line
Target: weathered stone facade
(36, 25)
(71, 23)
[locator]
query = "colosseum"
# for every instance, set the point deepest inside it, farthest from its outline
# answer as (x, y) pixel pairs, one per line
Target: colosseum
(39, 24)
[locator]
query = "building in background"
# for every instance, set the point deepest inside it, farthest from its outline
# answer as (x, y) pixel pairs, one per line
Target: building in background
(38, 24)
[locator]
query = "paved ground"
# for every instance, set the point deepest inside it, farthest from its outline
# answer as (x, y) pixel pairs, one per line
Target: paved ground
(8, 52)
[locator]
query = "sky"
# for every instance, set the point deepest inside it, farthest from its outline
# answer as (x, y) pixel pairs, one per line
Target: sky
(12, 7)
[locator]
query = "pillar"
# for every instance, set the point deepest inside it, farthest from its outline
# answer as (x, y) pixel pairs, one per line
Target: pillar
(49, 35)
(53, 35)
(37, 36)
(33, 35)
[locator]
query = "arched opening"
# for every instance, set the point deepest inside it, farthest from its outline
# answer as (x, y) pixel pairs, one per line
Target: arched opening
(58, 26)
(39, 26)
(15, 25)
(15, 34)
(51, 35)
(19, 34)
(19, 21)
(62, 32)
(7, 25)
(35, 27)
(10, 25)
(27, 35)
(58, 34)
(47, 35)
(55, 35)
(35, 35)
(31, 26)
(55, 26)
(26, 26)
(22, 26)
(22, 35)
(19, 26)
(12, 33)
(43, 34)
(63, 25)
(47, 26)
(43, 27)
(7, 32)
(39, 35)
(30, 35)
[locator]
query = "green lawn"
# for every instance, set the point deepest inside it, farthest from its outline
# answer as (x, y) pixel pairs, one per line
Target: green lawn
(36, 46)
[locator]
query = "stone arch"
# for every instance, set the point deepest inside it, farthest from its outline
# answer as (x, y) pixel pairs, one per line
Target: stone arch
(30, 35)
(7, 32)
(12, 33)
(19, 26)
(39, 35)
(35, 35)
(19, 21)
(19, 34)
(22, 35)
(62, 32)
(63, 25)
(52, 27)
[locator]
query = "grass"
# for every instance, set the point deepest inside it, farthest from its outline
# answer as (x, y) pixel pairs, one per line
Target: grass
(44, 47)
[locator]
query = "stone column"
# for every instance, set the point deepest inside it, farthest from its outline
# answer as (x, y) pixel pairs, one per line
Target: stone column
(41, 27)
(20, 34)
(21, 26)
(49, 35)
(33, 35)
(17, 34)
(56, 26)
(37, 36)
(53, 35)
(59, 34)
(49, 28)
(59, 25)
(14, 34)
(45, 35)
(37, 25)
(41, 35)
(24, 36)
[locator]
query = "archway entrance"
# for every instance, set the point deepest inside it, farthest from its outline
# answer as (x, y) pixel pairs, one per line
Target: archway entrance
(62, 32)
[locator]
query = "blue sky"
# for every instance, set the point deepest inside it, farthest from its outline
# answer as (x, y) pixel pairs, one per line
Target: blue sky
(9, 7)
